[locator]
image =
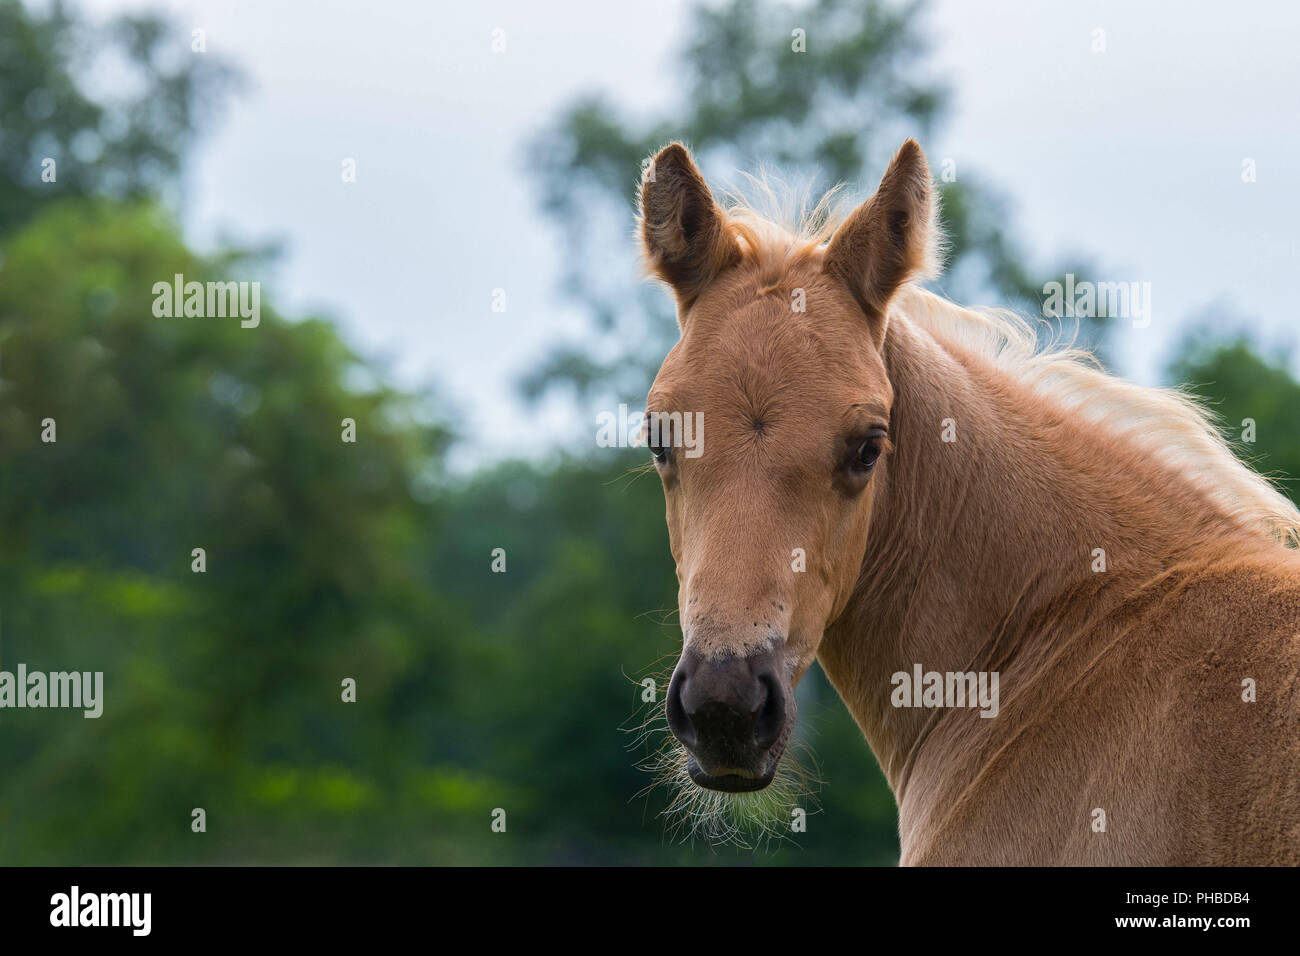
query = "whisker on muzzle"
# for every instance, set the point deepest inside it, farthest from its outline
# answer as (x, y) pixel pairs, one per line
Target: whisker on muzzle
(752, 820)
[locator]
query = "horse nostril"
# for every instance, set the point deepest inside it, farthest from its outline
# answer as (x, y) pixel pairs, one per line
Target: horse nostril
(678, 721)
(770, 719)
(728, 711)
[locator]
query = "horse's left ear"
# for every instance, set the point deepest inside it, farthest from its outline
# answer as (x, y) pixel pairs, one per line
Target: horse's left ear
(890, 238)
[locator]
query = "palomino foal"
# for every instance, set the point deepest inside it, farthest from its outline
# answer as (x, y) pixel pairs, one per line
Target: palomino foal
(894, 484)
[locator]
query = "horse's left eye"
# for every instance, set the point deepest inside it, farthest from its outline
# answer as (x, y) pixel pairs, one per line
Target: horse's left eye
(660, 453)
(869, 451)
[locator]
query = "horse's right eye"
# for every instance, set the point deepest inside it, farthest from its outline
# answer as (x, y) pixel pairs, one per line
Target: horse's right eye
(656, 433)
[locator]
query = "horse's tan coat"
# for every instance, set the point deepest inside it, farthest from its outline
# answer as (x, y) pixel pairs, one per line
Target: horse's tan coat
(1121, 690)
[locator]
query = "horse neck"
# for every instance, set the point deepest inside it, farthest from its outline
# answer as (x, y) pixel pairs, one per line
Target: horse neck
(982, 554)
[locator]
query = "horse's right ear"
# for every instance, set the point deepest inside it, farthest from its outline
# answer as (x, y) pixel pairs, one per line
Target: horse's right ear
(683, 231)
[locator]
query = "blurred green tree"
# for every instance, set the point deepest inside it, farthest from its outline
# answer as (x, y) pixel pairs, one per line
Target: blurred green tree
(222, 687)
(127, 146)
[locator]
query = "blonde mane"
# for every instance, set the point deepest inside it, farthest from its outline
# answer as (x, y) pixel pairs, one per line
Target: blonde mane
(779, 228)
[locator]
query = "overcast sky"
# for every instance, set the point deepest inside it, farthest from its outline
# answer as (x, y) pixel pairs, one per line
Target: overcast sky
(1132, 158)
